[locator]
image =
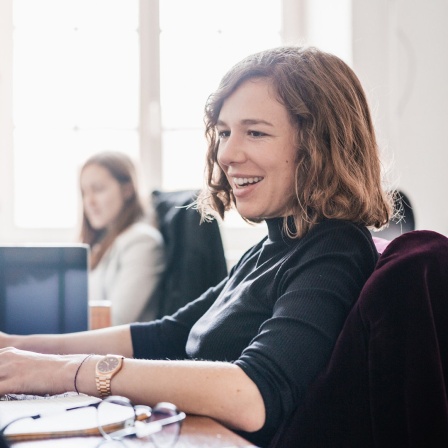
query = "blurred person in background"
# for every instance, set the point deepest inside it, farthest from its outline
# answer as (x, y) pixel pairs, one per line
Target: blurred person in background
(127, 252)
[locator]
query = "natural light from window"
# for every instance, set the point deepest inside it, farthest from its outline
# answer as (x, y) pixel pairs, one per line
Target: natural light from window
(75, 81)
(195, 54)
(76, 87)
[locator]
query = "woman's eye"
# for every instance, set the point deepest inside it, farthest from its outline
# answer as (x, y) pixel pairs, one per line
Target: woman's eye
(256, 134)
(223, 134)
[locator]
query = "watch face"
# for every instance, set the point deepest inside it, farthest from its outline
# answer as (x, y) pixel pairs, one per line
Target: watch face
(108, 364)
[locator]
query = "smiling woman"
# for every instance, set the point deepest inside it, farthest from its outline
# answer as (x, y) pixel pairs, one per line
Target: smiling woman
(290, 142)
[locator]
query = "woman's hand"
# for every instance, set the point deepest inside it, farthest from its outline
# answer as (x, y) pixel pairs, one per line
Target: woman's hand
(35, 373)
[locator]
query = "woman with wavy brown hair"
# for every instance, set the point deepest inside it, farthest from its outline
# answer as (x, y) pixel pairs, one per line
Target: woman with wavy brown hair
(291, 143)
(337, 166)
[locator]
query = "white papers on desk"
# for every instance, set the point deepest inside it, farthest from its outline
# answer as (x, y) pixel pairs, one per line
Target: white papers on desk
(54, 416)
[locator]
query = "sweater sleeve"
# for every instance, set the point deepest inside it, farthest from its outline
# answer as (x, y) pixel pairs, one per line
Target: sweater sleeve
(166, 338)
(315, 289)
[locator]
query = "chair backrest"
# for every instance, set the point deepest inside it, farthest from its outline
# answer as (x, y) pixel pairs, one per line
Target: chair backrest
(405, 221)
(195, 257)
(387, 380)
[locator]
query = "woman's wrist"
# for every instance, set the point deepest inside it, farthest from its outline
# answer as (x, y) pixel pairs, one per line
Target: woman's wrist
(85, 374)
(77, 372)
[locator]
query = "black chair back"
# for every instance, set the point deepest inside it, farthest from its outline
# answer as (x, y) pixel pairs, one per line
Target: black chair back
(194, 251)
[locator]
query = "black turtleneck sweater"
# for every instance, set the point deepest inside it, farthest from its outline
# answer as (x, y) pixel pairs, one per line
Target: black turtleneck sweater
(277, 315)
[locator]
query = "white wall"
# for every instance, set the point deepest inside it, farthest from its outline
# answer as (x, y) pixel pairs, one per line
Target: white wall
(400, 52)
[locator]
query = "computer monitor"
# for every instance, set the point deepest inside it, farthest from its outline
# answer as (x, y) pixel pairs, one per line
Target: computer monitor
(44, 289)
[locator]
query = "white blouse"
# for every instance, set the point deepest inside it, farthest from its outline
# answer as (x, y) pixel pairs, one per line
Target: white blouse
(128, 274)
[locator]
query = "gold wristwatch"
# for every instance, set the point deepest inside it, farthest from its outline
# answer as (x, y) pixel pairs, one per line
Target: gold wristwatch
(106, 368)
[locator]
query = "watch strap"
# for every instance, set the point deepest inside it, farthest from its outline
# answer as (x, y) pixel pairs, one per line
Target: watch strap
(103, 380)
(103, 385)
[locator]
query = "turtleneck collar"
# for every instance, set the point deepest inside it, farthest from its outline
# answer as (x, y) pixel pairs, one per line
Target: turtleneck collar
(275, 229)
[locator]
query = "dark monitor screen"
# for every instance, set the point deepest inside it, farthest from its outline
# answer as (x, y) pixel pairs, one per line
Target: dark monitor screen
(44, 289)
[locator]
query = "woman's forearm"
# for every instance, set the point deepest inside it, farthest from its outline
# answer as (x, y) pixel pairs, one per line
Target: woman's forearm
(115, 340)
(219, 390)
(216, 389)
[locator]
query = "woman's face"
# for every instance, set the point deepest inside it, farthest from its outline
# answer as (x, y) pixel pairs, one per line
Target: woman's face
(257, 150)
(102, 196)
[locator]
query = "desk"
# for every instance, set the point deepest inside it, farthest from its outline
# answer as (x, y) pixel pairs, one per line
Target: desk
(197, 432)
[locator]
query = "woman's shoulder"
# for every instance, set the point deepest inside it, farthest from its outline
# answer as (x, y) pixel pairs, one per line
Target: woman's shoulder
(140, 232)
(346, 235)
(341, 228)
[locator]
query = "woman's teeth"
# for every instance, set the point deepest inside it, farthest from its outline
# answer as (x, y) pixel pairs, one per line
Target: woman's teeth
(243, 181)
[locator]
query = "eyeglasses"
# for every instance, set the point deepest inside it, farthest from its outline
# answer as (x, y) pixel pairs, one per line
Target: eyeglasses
(117, 418)
(160, 424)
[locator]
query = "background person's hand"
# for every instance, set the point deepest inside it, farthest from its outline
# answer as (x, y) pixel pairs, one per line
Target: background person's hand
(5, 340)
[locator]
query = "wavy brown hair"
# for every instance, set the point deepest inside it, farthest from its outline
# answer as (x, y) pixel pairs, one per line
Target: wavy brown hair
(338, 170)
(122, 169)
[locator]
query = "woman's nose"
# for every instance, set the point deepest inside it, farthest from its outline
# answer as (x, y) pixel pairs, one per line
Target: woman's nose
(231, 151)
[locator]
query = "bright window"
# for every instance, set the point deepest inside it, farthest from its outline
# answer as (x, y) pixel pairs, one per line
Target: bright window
(75, 92)
(81, 76)
(199, 43)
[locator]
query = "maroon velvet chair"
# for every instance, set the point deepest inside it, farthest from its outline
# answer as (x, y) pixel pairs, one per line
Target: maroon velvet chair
(386, 382)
